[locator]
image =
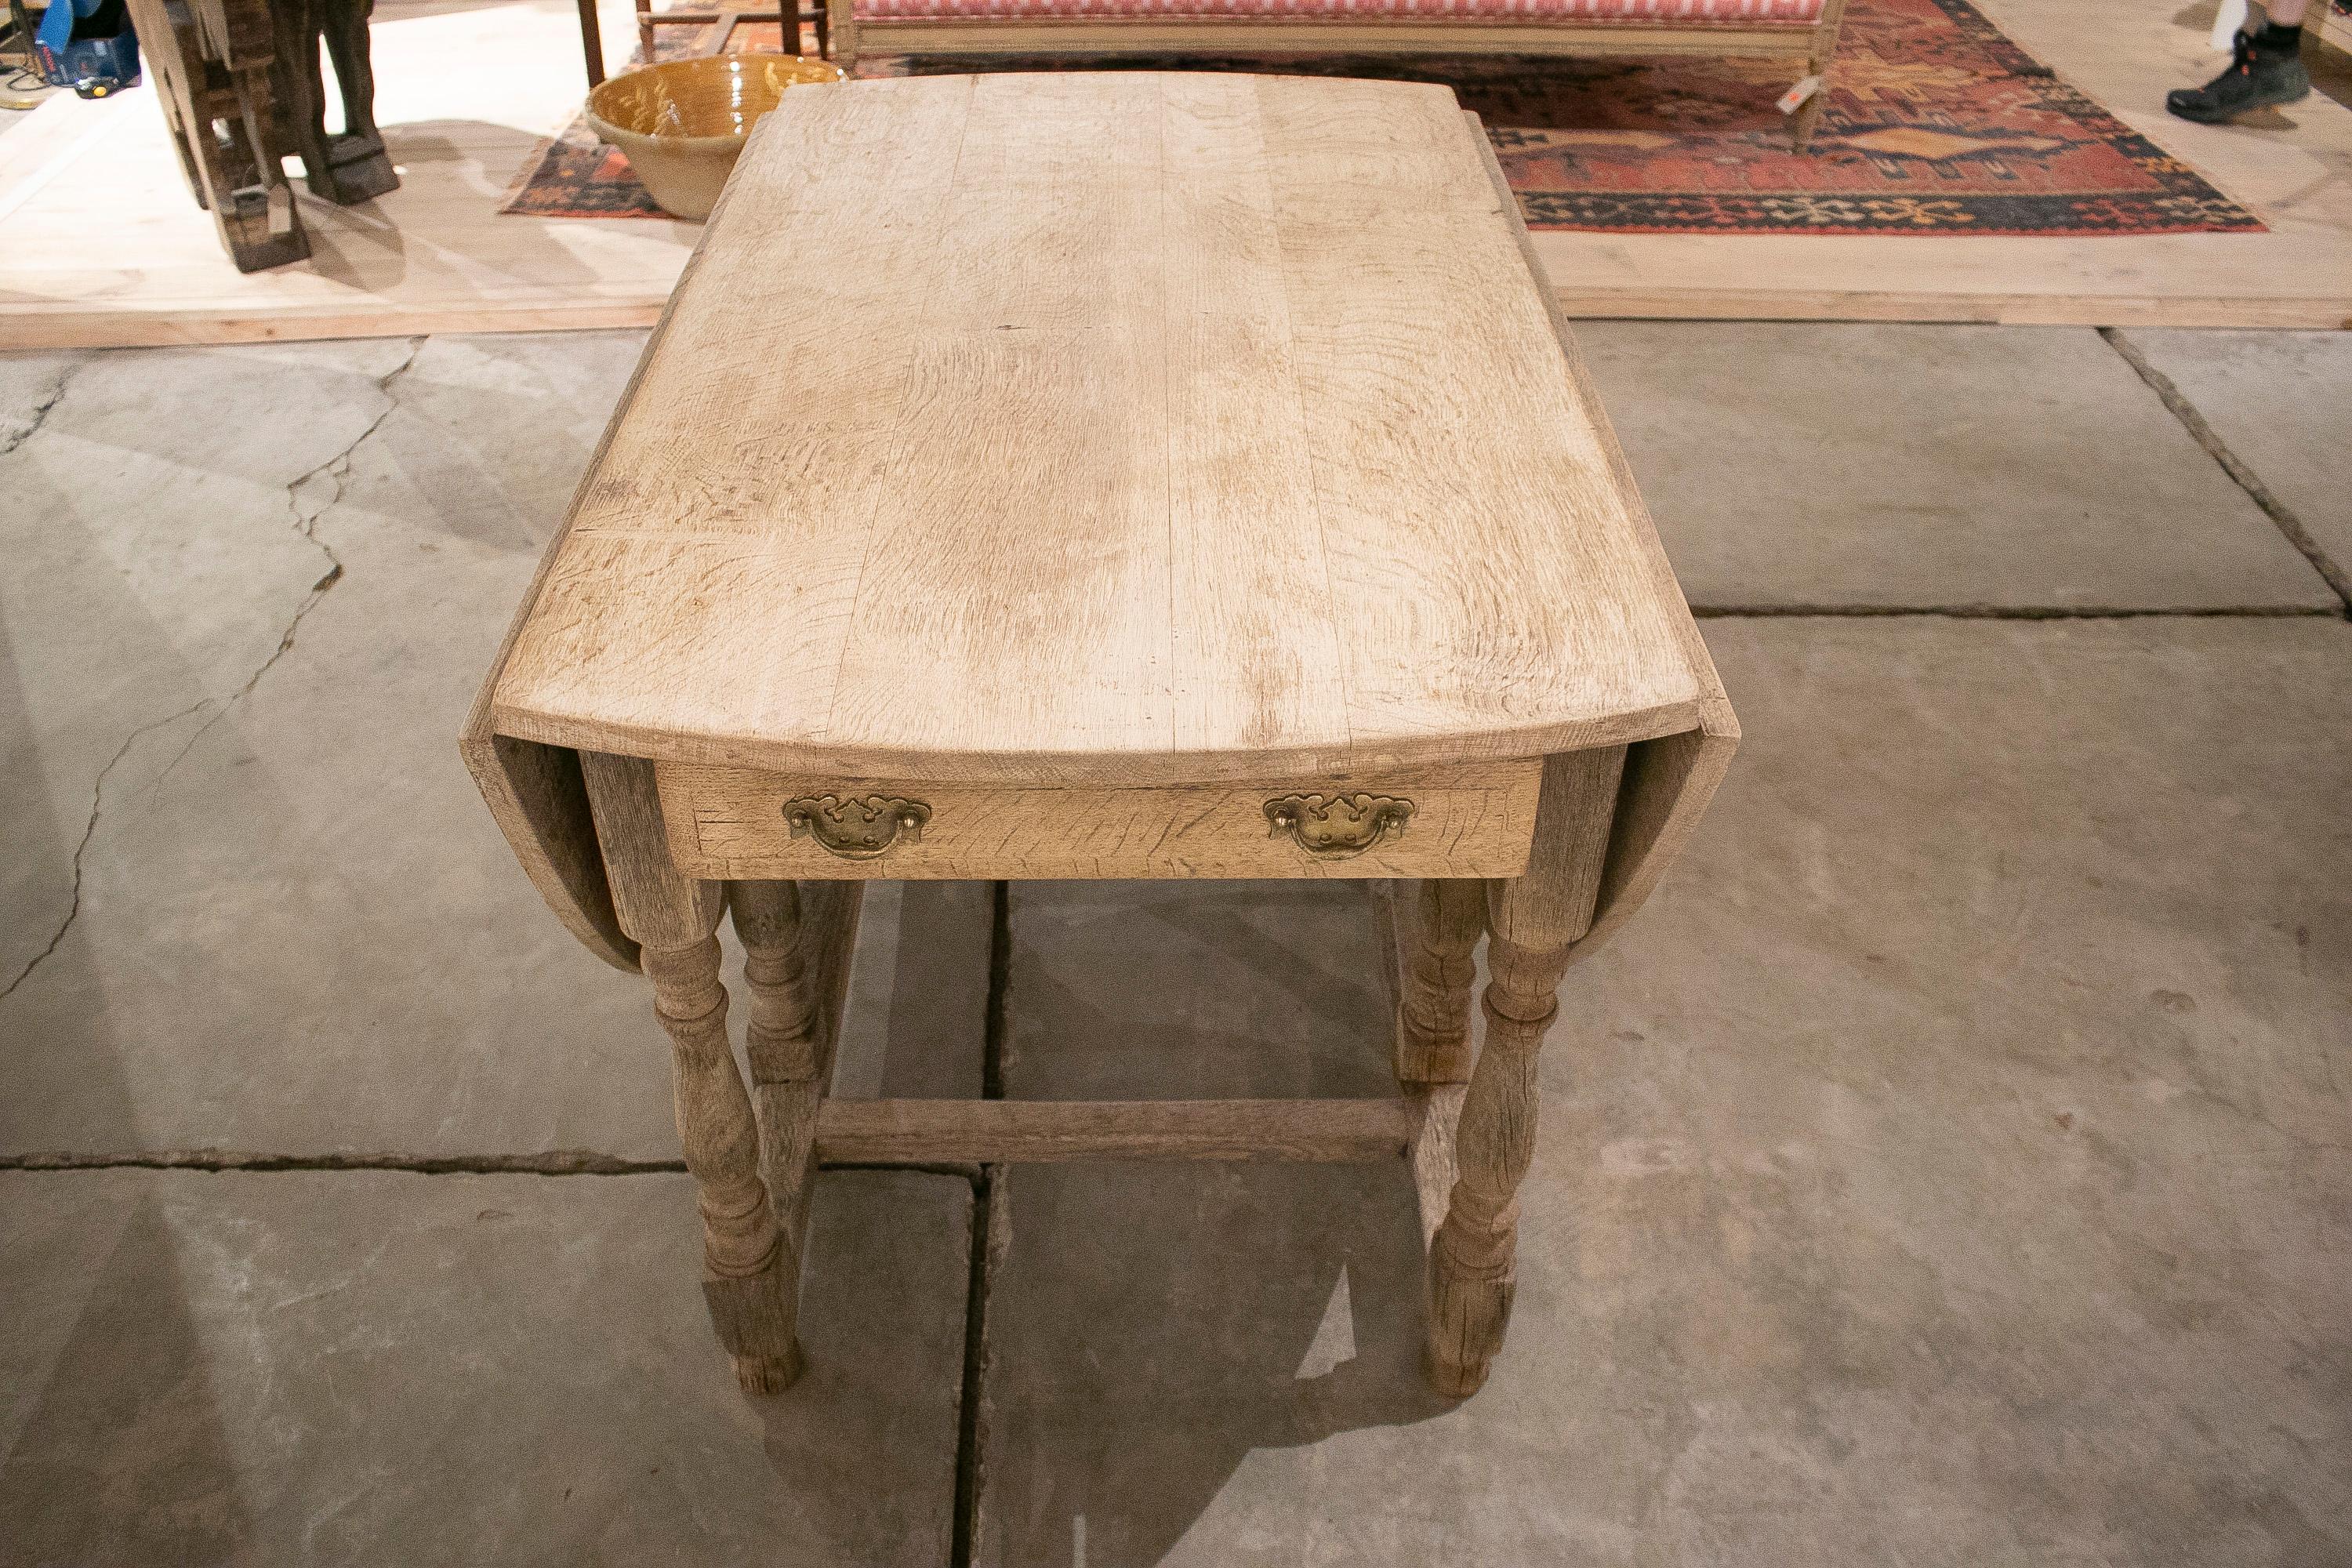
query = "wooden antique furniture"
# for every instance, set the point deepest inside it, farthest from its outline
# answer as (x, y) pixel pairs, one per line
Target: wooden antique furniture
(1802, 31)
(719, 23)
(242, 89)
(1191, 476)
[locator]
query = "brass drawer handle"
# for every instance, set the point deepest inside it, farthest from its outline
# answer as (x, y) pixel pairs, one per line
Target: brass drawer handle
(1336, 826)
(857, 827)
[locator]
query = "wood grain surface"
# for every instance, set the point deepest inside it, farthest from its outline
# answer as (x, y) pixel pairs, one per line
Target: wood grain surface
(1667, 782)
(1125, 427)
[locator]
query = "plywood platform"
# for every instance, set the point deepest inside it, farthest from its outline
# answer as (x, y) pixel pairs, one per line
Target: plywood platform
(101, 244)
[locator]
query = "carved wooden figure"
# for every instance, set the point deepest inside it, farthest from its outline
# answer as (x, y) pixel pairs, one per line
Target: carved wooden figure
(1268, 527)
(351, 166)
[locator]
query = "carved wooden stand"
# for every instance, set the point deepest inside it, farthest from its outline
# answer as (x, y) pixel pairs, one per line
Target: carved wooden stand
(241, 87)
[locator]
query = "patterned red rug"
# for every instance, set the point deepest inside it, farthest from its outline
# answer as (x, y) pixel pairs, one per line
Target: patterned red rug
(1937, 124)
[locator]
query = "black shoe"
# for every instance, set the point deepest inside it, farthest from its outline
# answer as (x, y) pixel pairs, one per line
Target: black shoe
(2260, 73)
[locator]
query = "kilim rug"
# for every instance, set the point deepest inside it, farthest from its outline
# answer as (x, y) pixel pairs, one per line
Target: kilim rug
(1937, 124)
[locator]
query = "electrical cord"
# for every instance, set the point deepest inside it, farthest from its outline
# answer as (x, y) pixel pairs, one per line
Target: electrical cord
(16, 27)
(16, 58)
(20, 79)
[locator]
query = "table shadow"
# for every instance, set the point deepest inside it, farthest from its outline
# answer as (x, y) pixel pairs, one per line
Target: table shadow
(1152, 1325)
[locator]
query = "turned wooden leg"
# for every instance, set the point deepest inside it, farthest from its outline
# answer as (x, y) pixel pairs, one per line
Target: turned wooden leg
(1471, 1261)
(674, 918)
(1534, 921)
(788, 1069)
(744, 1282)
(781, 1038)
(1432, 1016)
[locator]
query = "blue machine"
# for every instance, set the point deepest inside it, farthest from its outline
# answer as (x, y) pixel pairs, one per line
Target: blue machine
(87, 46)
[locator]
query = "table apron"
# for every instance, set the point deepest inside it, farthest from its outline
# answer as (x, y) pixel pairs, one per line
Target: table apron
(1470, 820)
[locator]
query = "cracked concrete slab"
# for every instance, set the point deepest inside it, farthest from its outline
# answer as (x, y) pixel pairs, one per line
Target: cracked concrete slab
(151, 560)
(30, 386)
(1948, 1168)
(1857, 465)
(2282, 402)
(299, 1368)
(297, 929)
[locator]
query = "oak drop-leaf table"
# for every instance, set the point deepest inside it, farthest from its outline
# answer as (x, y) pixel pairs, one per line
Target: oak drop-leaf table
(1115, 475)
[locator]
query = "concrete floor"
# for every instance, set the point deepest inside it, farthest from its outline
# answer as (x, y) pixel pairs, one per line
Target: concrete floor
(1949, 1167)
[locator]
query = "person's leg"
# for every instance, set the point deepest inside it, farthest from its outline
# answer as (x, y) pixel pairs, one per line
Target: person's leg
(2266, 67)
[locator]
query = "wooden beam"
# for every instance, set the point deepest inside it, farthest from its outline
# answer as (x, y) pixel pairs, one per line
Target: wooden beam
(911, 1132)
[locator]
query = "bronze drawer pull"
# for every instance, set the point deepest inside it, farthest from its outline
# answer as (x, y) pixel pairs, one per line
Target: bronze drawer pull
(1336, 826)
(857, 827)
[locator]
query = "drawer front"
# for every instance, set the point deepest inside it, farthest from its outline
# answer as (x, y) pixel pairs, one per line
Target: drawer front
(1471, 821)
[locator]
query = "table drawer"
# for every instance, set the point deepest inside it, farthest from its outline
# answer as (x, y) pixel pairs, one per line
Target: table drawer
(1470, 821)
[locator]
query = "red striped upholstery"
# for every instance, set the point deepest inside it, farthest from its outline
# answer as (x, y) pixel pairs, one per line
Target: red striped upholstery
(1693, 12)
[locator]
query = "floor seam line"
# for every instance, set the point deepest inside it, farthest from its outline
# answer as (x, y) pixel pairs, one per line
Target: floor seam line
(2201, 429)
(988, 1237)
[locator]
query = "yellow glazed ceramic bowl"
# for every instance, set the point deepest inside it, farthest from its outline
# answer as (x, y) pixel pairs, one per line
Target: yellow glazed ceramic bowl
(681, 124)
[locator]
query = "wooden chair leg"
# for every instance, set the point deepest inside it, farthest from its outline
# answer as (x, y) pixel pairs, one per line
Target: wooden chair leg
(1817, 65)
(674, 918)
(841, 32)
(1432, 1017)
(1533, 921)
(591, 42)
(1809, 113)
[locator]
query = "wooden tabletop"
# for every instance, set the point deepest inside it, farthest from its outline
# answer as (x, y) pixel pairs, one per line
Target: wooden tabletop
(1105, 427)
